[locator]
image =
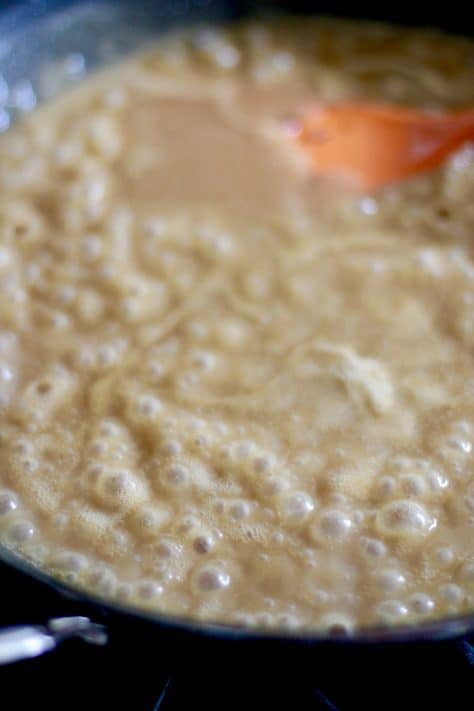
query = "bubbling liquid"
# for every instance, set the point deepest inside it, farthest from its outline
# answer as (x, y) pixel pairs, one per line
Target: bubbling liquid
(230, 391)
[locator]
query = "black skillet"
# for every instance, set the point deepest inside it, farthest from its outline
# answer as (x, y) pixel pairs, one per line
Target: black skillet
(32, 33)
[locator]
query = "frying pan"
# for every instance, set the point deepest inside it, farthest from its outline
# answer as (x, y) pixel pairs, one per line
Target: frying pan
(40, 31)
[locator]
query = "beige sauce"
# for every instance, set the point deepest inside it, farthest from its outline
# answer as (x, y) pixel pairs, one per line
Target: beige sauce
(228, 390)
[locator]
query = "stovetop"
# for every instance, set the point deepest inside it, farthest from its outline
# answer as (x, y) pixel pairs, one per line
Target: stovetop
(92, 679)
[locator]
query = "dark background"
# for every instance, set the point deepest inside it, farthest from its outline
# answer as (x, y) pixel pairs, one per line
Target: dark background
(455, 17)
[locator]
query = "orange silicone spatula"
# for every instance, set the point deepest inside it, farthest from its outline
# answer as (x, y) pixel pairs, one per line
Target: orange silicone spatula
(377, 144)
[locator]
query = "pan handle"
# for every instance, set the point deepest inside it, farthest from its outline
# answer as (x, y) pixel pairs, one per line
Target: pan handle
(27, 641)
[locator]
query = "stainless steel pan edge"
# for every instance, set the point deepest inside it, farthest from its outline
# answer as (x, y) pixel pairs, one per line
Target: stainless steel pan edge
(108, 613)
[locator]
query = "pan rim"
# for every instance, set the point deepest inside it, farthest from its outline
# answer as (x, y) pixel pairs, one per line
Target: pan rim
(442, 629)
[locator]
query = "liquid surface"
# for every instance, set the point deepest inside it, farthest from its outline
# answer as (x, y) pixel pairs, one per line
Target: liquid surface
(228, 390)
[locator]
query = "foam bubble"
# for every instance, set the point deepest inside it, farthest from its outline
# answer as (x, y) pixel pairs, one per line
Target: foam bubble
(147, 521)
(373, 548)
(390, 579)
(422, 604)
(203, 543)
(148, 590)
(210, 577)
(239, 509)
(297, 506)
(120, 489)
(8, 503)
(102, 579)
(404, 518)
(21, 531)
(391, 611)
(69, 561)
(332, 524)
(337, 623)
